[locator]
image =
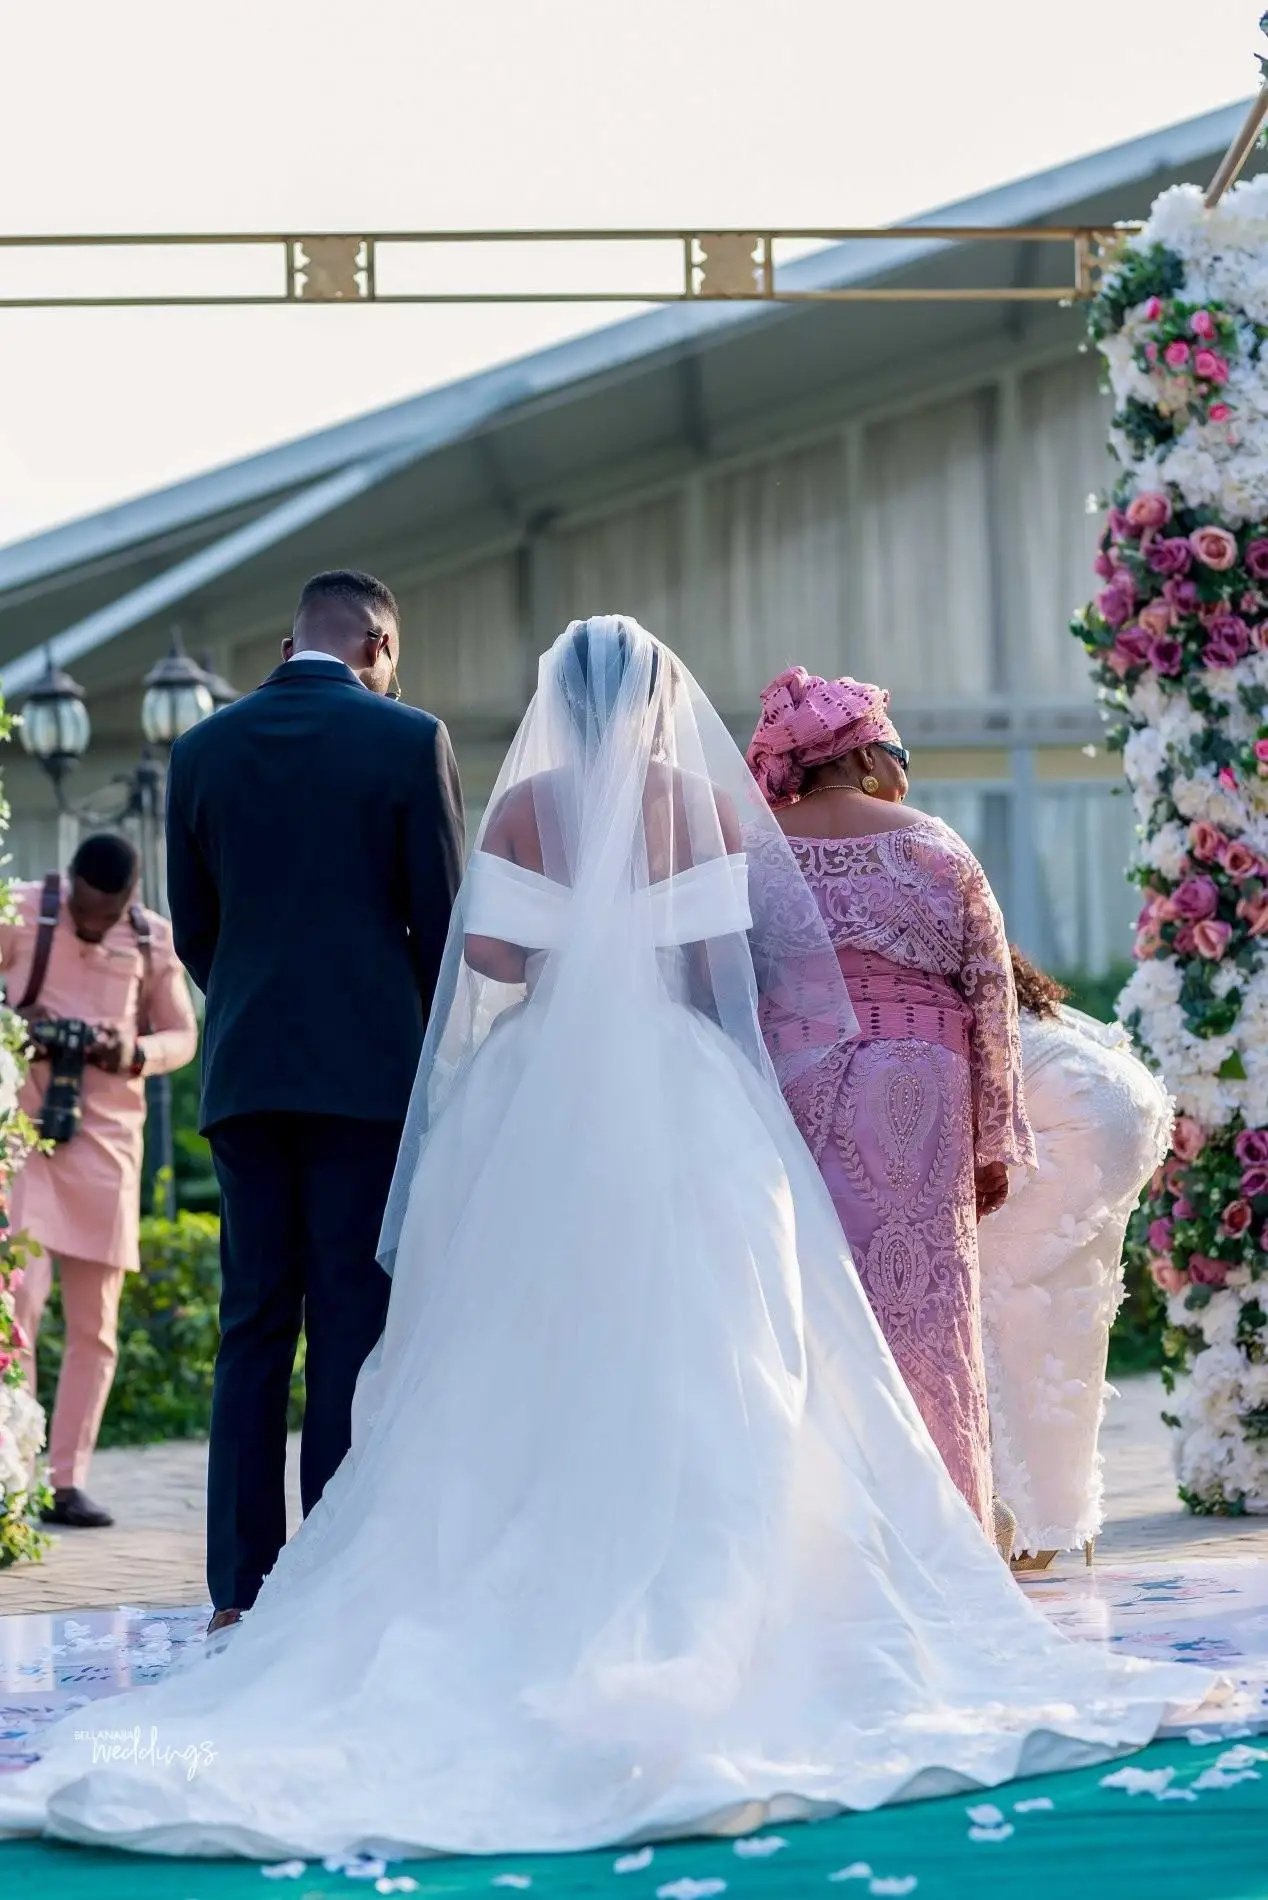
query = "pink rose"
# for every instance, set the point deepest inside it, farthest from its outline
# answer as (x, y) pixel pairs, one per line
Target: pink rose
(1196, 898)
(1160, 1235)
(1257, 558)
(1202, 324)
(1173, 1175)
(1169, 554)
(20, 1339)
(1176, 355)
(1240, 861)
(1218, 412)
(1168, 1276)
(1157, 617)
(1184, 1209)
(1214, 547)
(1188, 1139)
(1227, 778)
(1115, 602)
(1255, 1183)
(1259, 635)
(1261, 751)
(1210, 366)
(1210, 939)
(1220, 653)
(1148, 510)
(1117, 524)
(1231, 628)
(6, 1360)
(1166, 654)
(1253, 912)
(1130, 649)
(1103, 566)
(1251, 1147)
(1206, 1271)
(1151, 309)
(1236, 1218)
(1183, 594)
(1207, 842)
(1151, 354)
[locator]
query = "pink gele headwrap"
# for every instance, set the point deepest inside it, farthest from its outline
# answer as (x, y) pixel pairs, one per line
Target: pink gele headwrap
(806, 721)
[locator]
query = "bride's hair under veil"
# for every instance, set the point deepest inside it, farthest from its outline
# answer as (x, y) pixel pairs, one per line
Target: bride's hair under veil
(621, 780)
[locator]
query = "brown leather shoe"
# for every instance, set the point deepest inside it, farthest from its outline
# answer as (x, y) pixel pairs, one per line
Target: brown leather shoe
(223, 1620)
(75, 1510)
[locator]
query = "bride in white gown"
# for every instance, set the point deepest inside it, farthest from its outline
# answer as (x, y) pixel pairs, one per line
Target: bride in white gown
(640, 1532)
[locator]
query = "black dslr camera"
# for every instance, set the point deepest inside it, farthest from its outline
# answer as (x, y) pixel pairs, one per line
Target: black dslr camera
(64, 1043)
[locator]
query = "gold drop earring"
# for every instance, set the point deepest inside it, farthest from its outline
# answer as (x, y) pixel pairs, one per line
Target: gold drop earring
(870, 785)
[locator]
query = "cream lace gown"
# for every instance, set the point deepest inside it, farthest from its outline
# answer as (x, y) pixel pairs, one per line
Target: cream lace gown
(1051, 1270)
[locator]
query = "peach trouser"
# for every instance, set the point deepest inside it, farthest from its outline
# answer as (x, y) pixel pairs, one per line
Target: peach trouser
(90, 1302)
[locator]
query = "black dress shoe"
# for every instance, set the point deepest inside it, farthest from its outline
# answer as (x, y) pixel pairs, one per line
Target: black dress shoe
(75, 1509)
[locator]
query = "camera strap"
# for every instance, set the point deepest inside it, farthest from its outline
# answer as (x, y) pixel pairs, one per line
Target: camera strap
(50, 911)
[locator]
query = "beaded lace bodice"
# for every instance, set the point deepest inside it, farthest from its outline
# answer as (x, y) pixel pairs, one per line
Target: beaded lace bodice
(919, 898)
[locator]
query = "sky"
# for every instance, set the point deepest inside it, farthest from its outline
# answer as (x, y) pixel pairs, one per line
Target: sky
(244, 115)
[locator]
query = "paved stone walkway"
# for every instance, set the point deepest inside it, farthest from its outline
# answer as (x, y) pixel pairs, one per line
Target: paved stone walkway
(155, 1553)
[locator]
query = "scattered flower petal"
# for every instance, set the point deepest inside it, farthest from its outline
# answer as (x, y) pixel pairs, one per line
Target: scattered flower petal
(759, 1846)
(1218, 1777)
(1041, 1804)
(895, 1883)
(634, 1863)
(513, 1880)
(285, 1870)
(991, 1833)
(364, 1867)
(690, 1889)
(1139, 1780)
(858, 1871)
(1240, 1757)
(985, 1816)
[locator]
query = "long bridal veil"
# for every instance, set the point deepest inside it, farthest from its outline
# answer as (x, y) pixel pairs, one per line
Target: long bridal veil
(632, 777)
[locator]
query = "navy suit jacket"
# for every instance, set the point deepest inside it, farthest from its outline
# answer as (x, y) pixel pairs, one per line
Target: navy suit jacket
(314, 850)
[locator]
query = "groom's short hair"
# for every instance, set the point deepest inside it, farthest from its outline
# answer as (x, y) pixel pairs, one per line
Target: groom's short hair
(350, 584)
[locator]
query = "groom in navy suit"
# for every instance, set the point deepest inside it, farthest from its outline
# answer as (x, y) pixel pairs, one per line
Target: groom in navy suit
(314, 850)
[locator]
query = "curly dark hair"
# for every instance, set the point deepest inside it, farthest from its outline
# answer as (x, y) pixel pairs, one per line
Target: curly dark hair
(1037, 993)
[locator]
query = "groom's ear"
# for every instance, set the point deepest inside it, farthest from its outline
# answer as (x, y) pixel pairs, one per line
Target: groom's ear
(288, 646)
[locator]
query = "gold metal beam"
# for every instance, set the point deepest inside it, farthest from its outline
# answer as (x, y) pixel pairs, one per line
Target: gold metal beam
(1240, 150)
(727, 266)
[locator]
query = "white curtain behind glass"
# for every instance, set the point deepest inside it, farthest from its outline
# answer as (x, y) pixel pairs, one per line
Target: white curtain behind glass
(462, 649)
(630, 562)
(1064, 458)
(926, 555)
(774, 579)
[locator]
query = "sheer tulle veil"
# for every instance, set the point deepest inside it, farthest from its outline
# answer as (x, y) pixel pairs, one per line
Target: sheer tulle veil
(634, 779)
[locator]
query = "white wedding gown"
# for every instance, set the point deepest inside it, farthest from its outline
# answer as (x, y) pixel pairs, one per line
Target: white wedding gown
(640, 1533)
(1052, 1277)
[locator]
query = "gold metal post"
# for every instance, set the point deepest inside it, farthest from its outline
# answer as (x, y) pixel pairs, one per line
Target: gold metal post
(1240, 150)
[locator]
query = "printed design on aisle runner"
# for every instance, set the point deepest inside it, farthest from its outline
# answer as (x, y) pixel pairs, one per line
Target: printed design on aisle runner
(1179, 636)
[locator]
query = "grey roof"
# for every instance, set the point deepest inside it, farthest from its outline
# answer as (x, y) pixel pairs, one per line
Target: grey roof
(73, 576)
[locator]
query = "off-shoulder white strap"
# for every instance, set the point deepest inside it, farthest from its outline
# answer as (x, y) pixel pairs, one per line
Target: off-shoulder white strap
(520, 906)
(707, 900)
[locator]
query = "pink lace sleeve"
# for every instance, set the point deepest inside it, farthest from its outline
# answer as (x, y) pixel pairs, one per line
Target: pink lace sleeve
(1001, 1129)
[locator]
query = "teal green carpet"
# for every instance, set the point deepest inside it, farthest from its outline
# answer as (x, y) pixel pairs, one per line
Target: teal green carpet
(1092, 1842)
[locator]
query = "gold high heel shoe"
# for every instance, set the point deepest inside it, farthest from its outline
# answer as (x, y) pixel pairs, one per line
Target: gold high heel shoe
(1088, 1550)
(1038, 1560)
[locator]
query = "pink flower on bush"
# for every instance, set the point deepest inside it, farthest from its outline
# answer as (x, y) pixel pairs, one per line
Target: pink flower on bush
(1166, 654)
(1214, 547)
(1173, 1175)
(1211, 938)
(1253, 912)
(1218, 412)
(20, 1339)
(1196, 898)
(1117, 523)
(1255, 1183)
(1130, 648)
(1104, 566)
(1157, 617)
(1207, 842)
(1236, 1218)
(1202, 324)
(1240, 861)
(1206, 1271)
(1160, 1235)
(1148, 510)
(1183, 594)
(1259, 635)
(1222, 651)
(1184, 1208)
(1177, 354)
(1168, 1276)
(1188, 1138)
(1151, 309)
(1169, 554)
(1257, 558)
(1261, 751)
(1230, 627)
(1227, 778)
(1251, 1147)
(6, 1360)
(1116, 601)
(1210, 366)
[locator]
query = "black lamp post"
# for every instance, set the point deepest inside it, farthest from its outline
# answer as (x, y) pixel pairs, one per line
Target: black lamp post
(55, 727)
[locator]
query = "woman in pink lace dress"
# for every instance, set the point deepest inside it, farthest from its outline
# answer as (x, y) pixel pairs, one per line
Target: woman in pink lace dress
(914, 1123)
